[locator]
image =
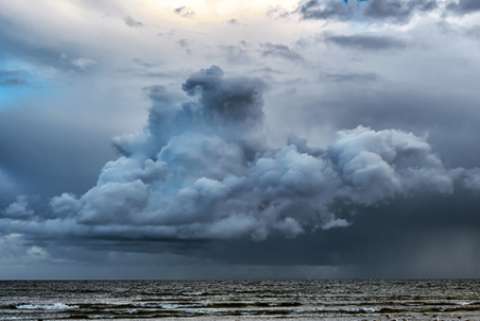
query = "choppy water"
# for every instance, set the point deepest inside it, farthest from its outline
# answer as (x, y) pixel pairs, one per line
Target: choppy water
(240, 300)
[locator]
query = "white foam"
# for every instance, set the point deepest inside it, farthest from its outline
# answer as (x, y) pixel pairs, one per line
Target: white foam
(367, 309)
(52, 306)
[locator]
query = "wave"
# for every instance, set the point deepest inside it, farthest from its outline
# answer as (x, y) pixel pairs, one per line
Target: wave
(49, 307)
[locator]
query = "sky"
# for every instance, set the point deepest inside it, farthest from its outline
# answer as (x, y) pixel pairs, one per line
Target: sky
(218, 139)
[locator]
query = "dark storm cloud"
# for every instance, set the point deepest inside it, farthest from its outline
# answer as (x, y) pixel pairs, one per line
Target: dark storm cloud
(395, 11)
(281, 51)
(201, 170)
(399, 238)
(184, 12)
(366, 42)
(464, 7)
(131, 22)
(237, 100)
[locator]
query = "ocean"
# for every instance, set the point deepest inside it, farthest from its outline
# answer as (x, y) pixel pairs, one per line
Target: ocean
(240, 300)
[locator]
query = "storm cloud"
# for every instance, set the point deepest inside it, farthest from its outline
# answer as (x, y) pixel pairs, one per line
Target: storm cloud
(202, 169)
(343, 141)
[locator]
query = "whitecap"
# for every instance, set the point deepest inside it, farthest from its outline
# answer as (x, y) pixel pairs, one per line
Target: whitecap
(52, 306)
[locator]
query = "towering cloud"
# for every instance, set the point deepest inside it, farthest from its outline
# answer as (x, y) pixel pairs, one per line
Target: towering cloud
(202, 170)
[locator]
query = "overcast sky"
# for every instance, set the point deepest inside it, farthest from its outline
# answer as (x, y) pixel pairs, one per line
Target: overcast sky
(239, 139)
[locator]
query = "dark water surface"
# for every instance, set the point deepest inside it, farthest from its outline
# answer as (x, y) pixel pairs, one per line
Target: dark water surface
(240, 300)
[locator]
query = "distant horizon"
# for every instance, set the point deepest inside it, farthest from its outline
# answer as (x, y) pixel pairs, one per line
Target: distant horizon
(247, 280)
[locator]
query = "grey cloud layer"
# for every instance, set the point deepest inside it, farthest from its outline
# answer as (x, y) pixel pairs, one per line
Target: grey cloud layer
(201, 169)
(382, 11)
(378, 10)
